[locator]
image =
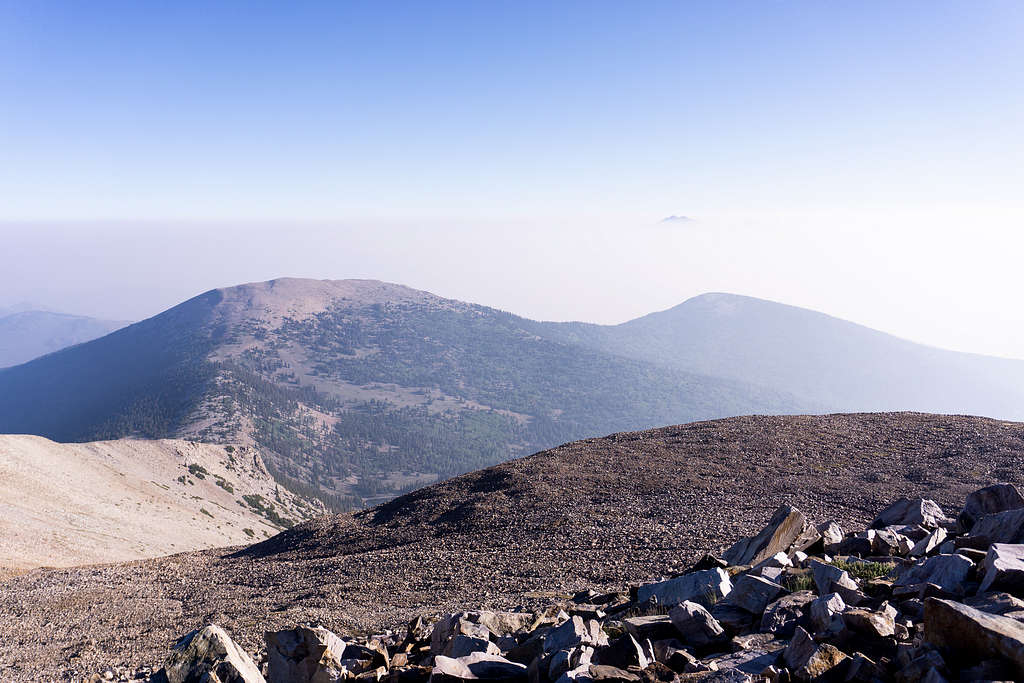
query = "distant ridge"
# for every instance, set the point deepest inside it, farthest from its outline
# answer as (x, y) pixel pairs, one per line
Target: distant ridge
(364, 389)
(28, 334)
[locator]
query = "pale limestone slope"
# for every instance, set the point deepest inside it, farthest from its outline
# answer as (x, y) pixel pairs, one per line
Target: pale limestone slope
(107, 501)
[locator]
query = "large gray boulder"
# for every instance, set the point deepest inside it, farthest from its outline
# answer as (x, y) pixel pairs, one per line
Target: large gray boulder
(948, 572)
(704, 587)
(988, 501)
(1001, 527)
(972, 635)
(209, 652)
(825, 611)
(575, 632)
(695, 625)
(928, 544)
(1004, 569)
(478, 665)
(829, 578)
(781, 617)
(460, 623)
(304, 655)
(782, 530)
(754, 593)
(908, 511)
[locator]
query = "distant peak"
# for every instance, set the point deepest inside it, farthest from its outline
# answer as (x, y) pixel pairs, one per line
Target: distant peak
(678, 219)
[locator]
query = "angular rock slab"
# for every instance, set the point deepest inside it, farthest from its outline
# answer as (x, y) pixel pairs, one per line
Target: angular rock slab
(972, 634)
(304, 655)
(808, 660)
(478, 665)
(782, 530)
(781, 617)
(948, 572)
(1004, 569)
(988, 501)
(754, 593)
(1001, 527)
(575, 632)
(695, 625)
(210, 651)
(703, 587)
(907, 511)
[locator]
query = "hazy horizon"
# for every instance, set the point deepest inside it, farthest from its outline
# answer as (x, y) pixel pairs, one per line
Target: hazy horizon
(863, 161)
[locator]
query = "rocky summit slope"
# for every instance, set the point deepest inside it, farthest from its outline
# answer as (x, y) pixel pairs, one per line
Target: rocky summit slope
(917, 596)
(595, 514)
(82, 503)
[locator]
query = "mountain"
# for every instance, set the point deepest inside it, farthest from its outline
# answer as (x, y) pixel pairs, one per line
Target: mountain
(599, 513)
(71, 504)
(837, 365)
(359, 388)
(28, 334)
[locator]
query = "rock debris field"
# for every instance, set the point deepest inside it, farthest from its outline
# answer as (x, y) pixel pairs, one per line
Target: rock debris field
(880, 556)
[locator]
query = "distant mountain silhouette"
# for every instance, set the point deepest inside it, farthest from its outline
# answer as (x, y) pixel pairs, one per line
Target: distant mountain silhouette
(28, 334)
(838, 365)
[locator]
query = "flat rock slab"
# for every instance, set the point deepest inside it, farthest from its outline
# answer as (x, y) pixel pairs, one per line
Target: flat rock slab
(1004, 569)
(972, 634)
(703, 587)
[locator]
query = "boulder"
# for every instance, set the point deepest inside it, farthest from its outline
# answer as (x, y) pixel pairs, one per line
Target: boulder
(567, 660)
(1001, 527)
(696, 625)
(874, 625)
(705, 587)
(988, 501)
(1004, 569)
(209, 654)
(808, 660)
(478, 665)
(908, 511)
(626, 652)
(611, 674)
(652, 627)
(996, 603)
(754, 593)
(928, 544)
(461, 645)
(505, 623)
(575, 632)
(948, 572)
(825, 611)
(828, 577)
(461, 623)
(782, 530)
(781, 617)
(304, 655)
(674, 655)
(972, 635)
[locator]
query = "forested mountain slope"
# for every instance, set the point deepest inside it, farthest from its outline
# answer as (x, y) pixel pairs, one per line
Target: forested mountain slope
(359, 388)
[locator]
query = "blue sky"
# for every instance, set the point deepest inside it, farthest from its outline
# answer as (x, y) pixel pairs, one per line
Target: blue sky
(122, 121)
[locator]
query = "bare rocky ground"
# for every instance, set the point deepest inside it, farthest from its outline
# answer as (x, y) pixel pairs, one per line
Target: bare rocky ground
(598, 514)
(105, 501)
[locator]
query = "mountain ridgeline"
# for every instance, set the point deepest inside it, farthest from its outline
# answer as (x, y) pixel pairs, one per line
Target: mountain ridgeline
(28, 334)
(361, 390)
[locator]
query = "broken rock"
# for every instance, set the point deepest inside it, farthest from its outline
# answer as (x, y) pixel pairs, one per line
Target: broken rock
(209, 654)
(784, 527)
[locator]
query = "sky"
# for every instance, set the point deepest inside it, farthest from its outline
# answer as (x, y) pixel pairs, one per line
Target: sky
(862, 159)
